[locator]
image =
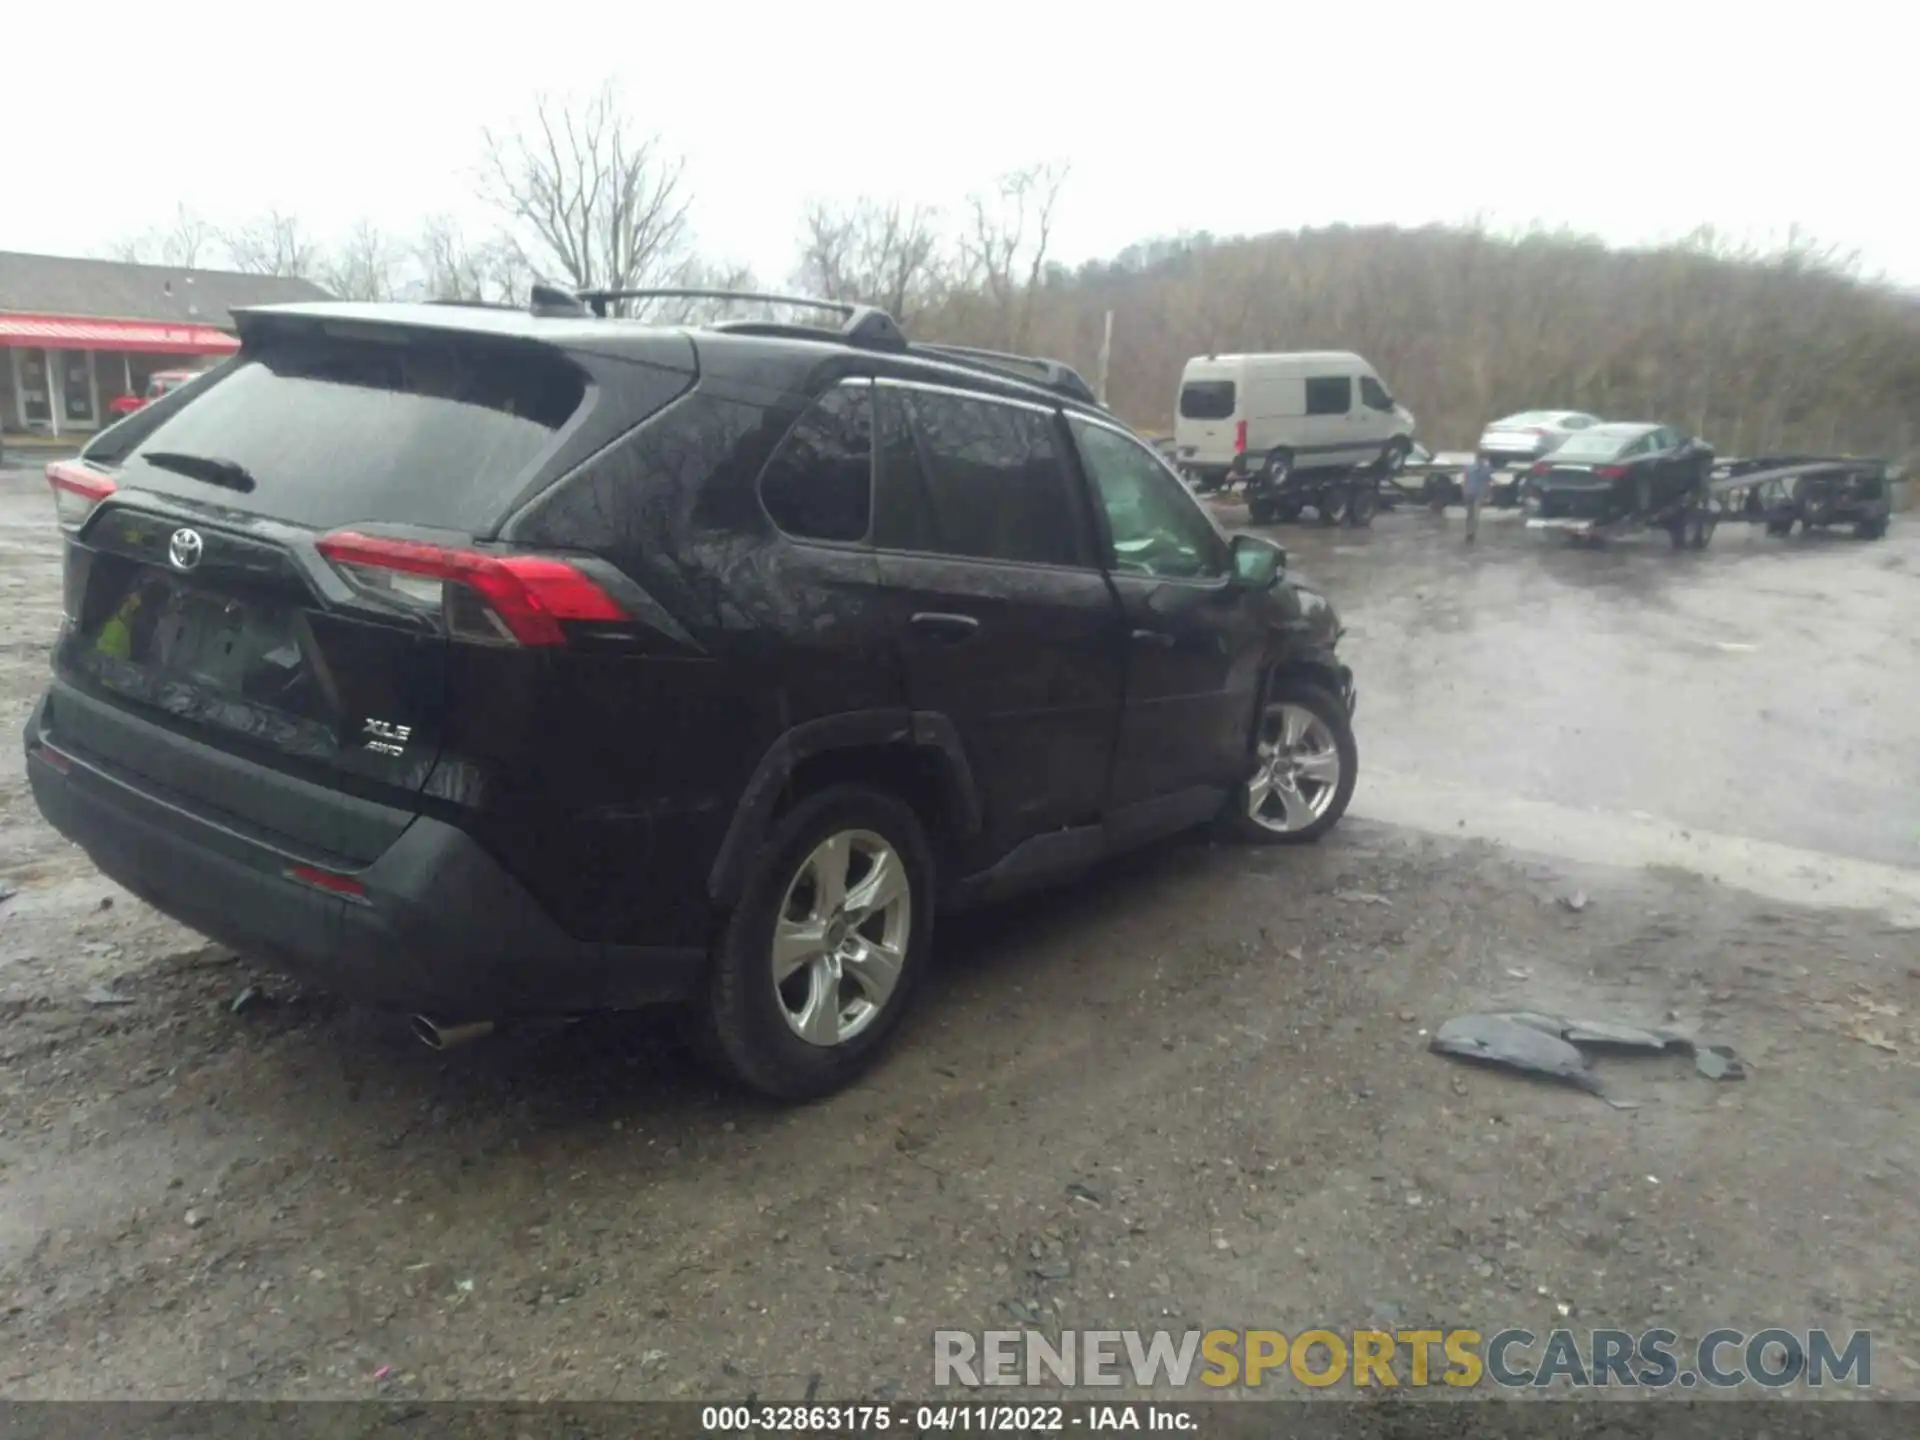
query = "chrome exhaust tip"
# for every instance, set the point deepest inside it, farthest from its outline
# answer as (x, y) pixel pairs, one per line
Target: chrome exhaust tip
(436, 1035)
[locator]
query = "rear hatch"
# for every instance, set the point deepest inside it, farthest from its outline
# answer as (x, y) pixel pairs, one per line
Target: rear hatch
(1578, 492)
(276, 571)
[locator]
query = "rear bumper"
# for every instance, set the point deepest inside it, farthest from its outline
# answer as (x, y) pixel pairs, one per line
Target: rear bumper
(437, 926)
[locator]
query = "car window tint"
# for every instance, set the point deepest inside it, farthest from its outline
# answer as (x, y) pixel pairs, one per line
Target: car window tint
(1155, 526)
(1329, 395)
(342, 431)
(1207, 400)
(819, 483)
(1374, 395)
(1576, 422)
(993, 479)
(902, 511)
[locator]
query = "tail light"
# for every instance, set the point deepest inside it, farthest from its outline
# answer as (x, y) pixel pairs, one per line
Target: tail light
(1612, 472)
(1540, 467)
(499, 599)
(1240, 438)
(77, 492)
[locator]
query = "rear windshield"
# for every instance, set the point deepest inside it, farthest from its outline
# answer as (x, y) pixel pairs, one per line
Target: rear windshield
(1207, 400)
(1590, 446)
(1525, 417)
(336, 432)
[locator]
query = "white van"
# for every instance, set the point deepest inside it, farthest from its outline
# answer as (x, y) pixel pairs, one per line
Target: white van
(1280, 414)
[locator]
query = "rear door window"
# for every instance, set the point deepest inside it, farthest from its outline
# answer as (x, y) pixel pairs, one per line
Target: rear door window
(1207, 400)
(819, 484)
(976, 478)
(335, 432)
(1329, 395)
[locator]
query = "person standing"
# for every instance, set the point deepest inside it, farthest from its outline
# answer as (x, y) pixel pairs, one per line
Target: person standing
(1478, 476)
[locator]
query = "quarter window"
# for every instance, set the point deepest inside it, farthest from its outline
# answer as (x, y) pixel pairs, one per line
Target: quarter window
(819, 484)
(1329, 395)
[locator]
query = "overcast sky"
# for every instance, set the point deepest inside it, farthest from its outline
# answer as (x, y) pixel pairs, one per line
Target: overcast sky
(1635, 121)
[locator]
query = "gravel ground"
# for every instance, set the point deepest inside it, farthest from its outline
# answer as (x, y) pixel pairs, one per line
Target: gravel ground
(1192, 1091)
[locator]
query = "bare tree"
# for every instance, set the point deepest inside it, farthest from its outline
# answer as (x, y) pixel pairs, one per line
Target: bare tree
(887, 255)
(366, 265)
(1009, 234)
(455, 268)
(589, 200)
(273, 244)
(189, 242)
(140, 249)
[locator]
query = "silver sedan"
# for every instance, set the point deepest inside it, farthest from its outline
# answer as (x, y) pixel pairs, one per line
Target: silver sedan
(1524, 438)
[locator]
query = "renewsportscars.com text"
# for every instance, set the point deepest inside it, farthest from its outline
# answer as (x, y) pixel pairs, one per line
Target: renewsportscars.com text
(1772, 1358)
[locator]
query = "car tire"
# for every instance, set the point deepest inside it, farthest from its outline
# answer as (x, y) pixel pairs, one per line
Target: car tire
(1438, 493)
(1278, 466)
(1331, 501)
(1363, 503)
(752, 1023)
(1262, 509)
(1870, 529)
(1392, 458)
(1325, 741)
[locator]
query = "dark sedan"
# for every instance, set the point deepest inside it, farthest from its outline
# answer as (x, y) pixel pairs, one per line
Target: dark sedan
(1614, 473)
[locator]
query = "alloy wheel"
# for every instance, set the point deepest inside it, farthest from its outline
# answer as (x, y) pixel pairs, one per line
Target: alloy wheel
(1296, 769)
(841, 936)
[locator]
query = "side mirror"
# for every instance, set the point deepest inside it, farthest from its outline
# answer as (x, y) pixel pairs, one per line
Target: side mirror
(1257, 562)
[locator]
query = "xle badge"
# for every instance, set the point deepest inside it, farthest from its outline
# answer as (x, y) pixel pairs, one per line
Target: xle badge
(386, 739)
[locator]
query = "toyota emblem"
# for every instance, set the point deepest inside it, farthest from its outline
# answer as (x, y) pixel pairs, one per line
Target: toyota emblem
(184, 549)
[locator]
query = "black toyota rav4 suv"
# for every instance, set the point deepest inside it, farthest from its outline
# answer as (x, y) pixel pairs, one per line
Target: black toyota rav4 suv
(493, 662)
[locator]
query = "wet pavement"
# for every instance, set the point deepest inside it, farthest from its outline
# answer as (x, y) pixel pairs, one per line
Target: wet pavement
(1194, 1090)
(1761, 688)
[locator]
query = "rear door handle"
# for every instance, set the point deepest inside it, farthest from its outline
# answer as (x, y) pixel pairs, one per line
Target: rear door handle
(947, 629)
(1153, 637)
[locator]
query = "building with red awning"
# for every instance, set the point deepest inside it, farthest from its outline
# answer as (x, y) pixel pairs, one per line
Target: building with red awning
(78, 335)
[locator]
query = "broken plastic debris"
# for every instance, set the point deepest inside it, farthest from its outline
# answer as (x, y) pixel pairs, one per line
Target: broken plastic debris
(1604, 1034)
(1513, 1042)
(1575, 902)
(383, 1372)
(1555, 1047)
(101, 995)
(1362, 897)
(1718, 1062)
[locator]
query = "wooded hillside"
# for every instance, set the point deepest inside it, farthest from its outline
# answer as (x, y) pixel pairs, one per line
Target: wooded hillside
(1754, 352)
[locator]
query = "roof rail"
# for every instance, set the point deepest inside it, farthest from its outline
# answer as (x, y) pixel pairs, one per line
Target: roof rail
(863, 325)
(1052, 375)
(860, 324)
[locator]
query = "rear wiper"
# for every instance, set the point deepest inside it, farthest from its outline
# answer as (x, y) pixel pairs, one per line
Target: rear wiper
(230, 473)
